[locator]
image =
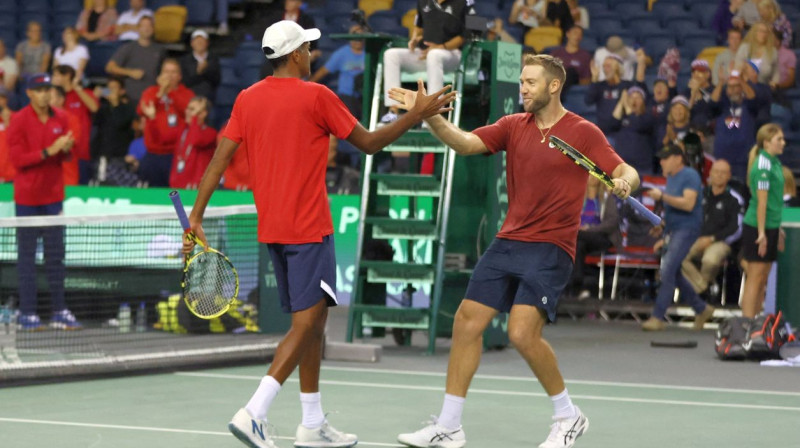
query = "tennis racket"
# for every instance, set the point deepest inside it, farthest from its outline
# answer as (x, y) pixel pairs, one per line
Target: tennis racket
(210, 282)
(595, 171)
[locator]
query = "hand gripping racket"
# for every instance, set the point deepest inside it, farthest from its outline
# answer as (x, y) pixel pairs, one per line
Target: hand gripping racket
(210, 282)
(595, 171)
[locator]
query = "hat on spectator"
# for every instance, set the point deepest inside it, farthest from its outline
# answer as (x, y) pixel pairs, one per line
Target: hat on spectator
(670, 149)
(680, 99)
(615, 44)
(199, 33)
(38, 80)
(639, 90)
(284, 37)
(700, 64)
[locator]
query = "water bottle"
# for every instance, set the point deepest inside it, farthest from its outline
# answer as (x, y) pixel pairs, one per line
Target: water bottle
(124, 318)
(141, 318)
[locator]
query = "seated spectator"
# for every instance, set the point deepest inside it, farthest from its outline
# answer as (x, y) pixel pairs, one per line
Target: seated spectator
(98, 22)
(790, 198)
(763, 93)
(659, 108)
(580, 15)
(195, 148)
(200, 69)
(33, 54)
(340, 178)
(735, 108)
(435, 46)
(699, 94)
(678, 122)
(633, 135)
(787, 66)
(7, 170)
(745, 13)
(528, 13)
(627, 56)
(127, 27)
(69, 164)
(348, 62)
(9, 71)
(577, 61)
(600, 231)
(81, 103)
(724, 61)
(723, 211)
(138, 61)
(114, 124)
(71, 53)
(606, 94)
(559, 14)
(770, 13)
(163, 106)
(759, 47)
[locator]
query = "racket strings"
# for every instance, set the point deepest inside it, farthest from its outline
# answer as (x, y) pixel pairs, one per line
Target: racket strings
(210, 284)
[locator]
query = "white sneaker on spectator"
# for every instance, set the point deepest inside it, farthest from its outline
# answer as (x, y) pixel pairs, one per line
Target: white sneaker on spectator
(326, 436)
(434, 435)
(250, 431)
(564, 431)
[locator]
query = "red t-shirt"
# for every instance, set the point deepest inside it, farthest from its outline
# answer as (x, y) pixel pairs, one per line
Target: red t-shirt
(7, 170)
(237, 175)
(74, 105)
(195, 150)
(170, 109)
(545, 188)
(38, 182)
(286, 124)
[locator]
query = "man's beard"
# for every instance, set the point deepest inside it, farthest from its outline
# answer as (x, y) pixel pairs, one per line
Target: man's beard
(538, 103)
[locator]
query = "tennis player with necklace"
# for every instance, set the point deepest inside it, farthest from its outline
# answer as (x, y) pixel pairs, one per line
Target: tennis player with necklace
(286, 124)
(545, 197)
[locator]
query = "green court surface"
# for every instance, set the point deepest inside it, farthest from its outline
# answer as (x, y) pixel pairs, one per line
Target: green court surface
(634, 396)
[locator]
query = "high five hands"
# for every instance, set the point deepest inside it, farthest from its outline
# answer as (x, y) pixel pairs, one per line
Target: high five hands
(422, 103)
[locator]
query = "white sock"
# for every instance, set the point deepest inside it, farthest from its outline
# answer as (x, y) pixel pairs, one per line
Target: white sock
(452, 408)
(312, 410)
(563, 406)
(261, 400)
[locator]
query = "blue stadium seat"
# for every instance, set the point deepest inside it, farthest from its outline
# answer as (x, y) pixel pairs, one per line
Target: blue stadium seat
(605, 27)
(59, 6)
(402, 6)
(124, 5)
(9, 38)
(226, 95)
(488, 9)
(704, 12)
(386, 22)
(656, 45)
(339, 23)
(221, 116)
(790, 9)
(627, 7)
(9, 7)
(40, 6)
(228, 76)
(327, 44)
(603, 15)
(681, 25)
(668, 11)
(693, 46)
(644, 27)
(595, 6)
(700, 36)
(60, 21)
(340, 6)
(249, 76)
(155, 4)
(199, 12)
(101, 53)
(249, 54)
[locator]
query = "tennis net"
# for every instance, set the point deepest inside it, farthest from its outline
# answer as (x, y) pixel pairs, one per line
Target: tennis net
(120, 276)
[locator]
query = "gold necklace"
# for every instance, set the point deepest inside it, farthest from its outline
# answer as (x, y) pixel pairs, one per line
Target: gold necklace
(544, 134)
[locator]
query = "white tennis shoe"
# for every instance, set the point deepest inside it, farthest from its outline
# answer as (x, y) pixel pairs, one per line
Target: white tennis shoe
(434, 436)
(564, 432)
(326, 436)
(250, 431)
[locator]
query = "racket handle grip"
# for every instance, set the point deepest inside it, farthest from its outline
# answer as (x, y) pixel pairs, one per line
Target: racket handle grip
(176, 201)
(644, 211)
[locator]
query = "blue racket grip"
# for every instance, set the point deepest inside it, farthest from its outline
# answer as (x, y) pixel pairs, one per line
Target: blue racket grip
(644, 211)
(176, 201)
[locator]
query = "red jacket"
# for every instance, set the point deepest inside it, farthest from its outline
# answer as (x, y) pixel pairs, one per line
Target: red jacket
(170, 110)
(195, 148)
(74, 105)
(38, 182)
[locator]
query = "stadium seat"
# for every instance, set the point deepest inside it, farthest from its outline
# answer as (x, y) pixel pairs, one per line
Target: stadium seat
(643, 27)
(199, 12)
(9, 7)
(124, 5)
(681, 25)
(9, 38)
(704, 12)
(339, 7)
(40, 6)
(543, 37)
(696, 45)
(169, 23)
(701, 36)
(249, 76)
(489, 10)
(338, 23)
(371, 6)
(66, 6)
(669, 11)
(383, 19)
(710, 54)
(155, 4)
(101, 53)
(403, 6)
(226, 95)
(627, 7)
(602, 28)
(248, 54)
(656, 45)
(60, 21)
(408, 20)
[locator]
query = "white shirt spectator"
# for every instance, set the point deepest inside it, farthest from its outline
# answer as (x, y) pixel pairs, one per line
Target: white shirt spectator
(130, 17)
(8, 69)
(71, 58)
(628, 56)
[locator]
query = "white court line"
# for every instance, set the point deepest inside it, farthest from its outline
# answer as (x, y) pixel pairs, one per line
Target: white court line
(151, 428)
(584, 382)
(507, 393)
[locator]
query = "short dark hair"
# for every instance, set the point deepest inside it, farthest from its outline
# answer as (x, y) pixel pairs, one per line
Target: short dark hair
(117, 79)
(279, 61)
(146, 17)
(65, 70)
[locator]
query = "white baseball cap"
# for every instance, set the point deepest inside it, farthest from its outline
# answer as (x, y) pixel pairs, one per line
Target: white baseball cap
(199, 33)
(284, 37)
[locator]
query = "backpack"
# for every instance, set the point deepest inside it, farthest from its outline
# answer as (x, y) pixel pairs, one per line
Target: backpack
(731, 337)
(767, 334)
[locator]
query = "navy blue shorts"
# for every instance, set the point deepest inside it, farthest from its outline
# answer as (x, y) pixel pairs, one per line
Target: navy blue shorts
(305, 273)
(520, 273)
